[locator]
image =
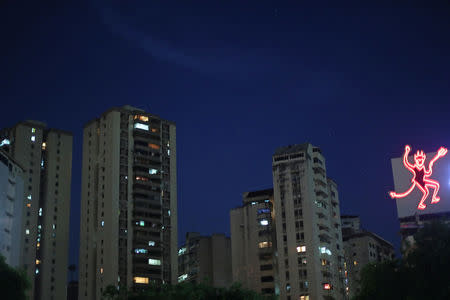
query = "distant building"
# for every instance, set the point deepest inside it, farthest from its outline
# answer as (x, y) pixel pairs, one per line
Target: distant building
(128, 233)
(253, 243)
(205, 258)
(11, 209)
(46, 157)
(308, 225)
(350, 224)
(287, 241)
(72, 290)
(361, 248)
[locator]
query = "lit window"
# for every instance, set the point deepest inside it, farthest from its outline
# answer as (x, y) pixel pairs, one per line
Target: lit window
(54, 226)
(143, 280)
(27, 231)
(182, 277)
(142, 118)
(264, 211)
(42, 163)
(44, 145)
(264, 222)
(38, 261)
(37, 271)
(154, 262)
(154, 130)
(33, 138)
(140, 251)
(288, 287)
(168, 152)
(5, 142)
(40, 211)
(327, 286)
(168, 212)
(33, 130)
(265, 244)
(28, 204)
(182, 251)
(253, 203)
(141, 223)
(152, 171)
(103, 223)
(303, 261)
(267, 200)
(304, 297)
(29, 197)
(101, 270)
(154, 146)
(151, 243)
(324, 250)
(355, 262)
(141, 126)
(140, 178)
(301, 249)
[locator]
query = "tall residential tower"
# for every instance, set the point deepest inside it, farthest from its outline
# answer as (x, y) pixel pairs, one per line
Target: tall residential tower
(128, 234)
(46, 157)
(309, 240)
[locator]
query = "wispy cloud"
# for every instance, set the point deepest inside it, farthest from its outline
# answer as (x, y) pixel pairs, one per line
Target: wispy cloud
(211, 61)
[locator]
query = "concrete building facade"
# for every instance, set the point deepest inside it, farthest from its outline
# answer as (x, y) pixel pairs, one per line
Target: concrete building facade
(361, 247)
(11, 209)
(308, 225)
(253, 243)
(205, 258)
(128, 234)
(46, 157)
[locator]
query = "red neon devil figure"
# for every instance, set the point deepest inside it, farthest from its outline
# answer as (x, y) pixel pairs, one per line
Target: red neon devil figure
(421, 177)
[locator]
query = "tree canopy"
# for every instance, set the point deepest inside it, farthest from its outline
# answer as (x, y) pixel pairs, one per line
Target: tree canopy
(185, 291)
(13, 283)
(423, 273)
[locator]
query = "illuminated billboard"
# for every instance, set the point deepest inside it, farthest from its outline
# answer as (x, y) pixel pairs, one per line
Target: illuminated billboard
(422, 182)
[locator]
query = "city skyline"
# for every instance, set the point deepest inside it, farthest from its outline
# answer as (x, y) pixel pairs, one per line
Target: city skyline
(361, 106)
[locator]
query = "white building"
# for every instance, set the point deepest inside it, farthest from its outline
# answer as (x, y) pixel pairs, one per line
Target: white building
(308, 225)
(11, 209)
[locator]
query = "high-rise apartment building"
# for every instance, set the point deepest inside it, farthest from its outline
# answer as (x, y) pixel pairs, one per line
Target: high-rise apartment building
(46, 157)
(308, 226)
(11, 209)
(361, 247)
(253, 243)
(205, 258)
(128, 234)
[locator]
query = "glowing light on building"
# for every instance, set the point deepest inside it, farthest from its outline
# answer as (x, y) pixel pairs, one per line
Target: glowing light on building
(421, 176)
(142, 280)
(327, 286)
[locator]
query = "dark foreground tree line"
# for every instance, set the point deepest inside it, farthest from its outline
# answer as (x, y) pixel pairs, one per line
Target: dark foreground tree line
(422, 273)
(184, 291)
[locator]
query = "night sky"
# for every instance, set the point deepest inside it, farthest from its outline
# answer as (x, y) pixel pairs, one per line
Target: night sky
(239, 78)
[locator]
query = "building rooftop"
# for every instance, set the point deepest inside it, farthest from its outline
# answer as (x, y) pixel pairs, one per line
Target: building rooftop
(265, 192)
(291, 149)
(367, 233)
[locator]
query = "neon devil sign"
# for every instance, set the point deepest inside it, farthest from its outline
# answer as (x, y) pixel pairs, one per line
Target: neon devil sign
(421, 176)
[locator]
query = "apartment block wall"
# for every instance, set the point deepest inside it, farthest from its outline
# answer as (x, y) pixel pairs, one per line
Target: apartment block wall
(253, 243)
(11, 209)
(46, 156)
(309, 242)
(128, 228)
(205, 258)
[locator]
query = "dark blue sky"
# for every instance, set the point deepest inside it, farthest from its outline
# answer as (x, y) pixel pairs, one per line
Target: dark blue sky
(240, 78)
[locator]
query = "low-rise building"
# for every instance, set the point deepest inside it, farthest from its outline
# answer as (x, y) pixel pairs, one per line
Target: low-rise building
(361, 247)
(205, 258)
(253, 243)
